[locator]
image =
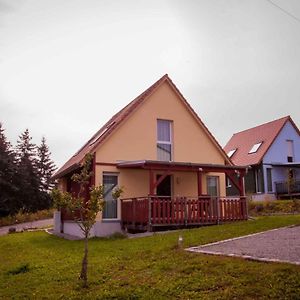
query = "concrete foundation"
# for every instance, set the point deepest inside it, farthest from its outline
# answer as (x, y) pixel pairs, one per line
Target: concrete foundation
(263, 197)
(107, 227)
(100, 229)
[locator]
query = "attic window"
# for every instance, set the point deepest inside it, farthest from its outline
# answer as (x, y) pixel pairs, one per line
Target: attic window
(164, 140)
(97, 137)
(255, 148)
(231, 152)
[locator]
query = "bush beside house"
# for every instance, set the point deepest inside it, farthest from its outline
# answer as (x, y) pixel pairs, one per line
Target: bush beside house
(268, 207)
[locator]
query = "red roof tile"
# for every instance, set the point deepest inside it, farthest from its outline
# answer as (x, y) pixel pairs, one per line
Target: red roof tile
(94, 142)
(243, 141)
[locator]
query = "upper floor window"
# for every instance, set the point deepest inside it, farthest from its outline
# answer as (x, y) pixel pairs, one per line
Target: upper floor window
(164, 140)
(290, 150)
(254, 148)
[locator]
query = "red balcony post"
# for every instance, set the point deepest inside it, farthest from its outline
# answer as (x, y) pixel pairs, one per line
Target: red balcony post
(149, 214)
(199, 181)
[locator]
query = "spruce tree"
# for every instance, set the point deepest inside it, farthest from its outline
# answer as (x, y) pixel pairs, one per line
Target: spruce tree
(46, 168)
(9, 203)
(29, 181)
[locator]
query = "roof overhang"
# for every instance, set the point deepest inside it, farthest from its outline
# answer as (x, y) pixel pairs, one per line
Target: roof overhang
(287, 165)
(178, 166)
(65, 172)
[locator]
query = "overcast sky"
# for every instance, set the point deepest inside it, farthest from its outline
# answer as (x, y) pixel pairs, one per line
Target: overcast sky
(67, 66)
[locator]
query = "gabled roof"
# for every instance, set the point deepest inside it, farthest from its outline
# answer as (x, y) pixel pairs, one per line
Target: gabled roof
(265, 134)
(105, 131)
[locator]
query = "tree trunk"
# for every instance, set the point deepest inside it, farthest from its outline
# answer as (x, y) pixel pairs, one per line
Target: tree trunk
(83, 274)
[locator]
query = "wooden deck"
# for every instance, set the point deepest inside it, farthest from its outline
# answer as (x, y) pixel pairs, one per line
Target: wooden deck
(150, 213)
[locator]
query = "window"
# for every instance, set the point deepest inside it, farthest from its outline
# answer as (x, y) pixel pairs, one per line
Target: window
(258, 181)
(231, 152)
(228, 182)
(164, 140)
(269, 180)
(255, 148)
(290, 150)
(212, 186)
(110, 181)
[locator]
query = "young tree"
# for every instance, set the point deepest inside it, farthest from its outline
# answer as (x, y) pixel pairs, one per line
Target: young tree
(8, 188)
(29, 182)
(45, 166)
(84, 209)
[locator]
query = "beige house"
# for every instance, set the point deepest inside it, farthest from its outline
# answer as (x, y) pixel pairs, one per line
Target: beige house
(159, 150)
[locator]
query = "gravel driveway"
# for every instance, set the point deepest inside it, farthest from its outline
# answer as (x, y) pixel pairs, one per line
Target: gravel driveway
(277, 245)
(34, 224)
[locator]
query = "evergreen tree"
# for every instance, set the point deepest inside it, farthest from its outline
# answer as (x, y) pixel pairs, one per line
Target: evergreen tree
(8, 197)
(45, 165)
(29, 181)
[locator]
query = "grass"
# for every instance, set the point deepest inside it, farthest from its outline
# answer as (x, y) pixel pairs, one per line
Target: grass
(144, 268)
(22, 217)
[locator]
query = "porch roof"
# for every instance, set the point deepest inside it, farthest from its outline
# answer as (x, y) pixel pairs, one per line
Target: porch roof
(288, 164)
(178, 166)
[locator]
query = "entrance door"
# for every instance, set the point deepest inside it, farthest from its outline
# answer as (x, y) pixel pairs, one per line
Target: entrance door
(165, 187)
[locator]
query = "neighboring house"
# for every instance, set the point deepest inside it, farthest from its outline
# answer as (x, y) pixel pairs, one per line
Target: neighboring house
(166, 159)
(272, 150)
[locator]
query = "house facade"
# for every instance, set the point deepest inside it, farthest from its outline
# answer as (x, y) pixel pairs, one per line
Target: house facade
(155, 146)
(272, 153)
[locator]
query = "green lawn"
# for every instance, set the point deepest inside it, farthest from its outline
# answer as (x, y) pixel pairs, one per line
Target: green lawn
(144, 268)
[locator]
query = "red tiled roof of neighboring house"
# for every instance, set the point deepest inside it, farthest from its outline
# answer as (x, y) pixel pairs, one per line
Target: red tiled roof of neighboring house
(109, 127)
(243, 141)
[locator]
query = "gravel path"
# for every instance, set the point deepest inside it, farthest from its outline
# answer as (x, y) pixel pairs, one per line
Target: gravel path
(34, 224)
(277, 245)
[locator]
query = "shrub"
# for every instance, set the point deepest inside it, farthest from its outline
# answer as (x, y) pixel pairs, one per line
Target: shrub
(296, 204)
(23, 216)
(274, 207)
(259, 207)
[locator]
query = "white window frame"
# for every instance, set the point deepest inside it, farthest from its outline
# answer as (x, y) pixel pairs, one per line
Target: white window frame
(116, 174)
(255, 148)
(218, 184)
(228, 182)
(171, 137)
(231, 152)
(290, 149)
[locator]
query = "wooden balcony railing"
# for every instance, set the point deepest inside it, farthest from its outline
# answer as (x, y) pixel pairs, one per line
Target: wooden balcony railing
(156, 211)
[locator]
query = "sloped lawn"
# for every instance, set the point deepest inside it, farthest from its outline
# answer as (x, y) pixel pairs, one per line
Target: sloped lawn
(39, 266)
